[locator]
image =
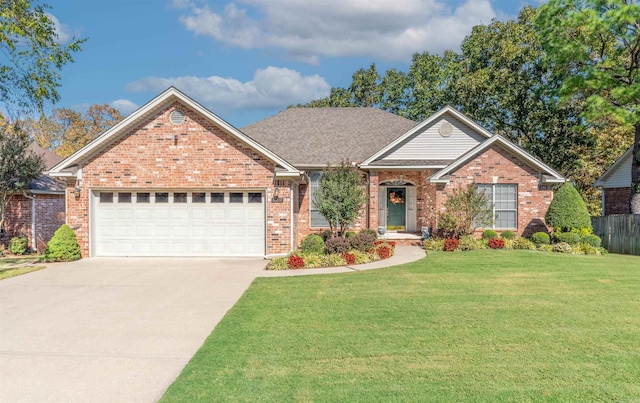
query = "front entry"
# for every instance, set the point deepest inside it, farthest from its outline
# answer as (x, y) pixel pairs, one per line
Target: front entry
(396, 209)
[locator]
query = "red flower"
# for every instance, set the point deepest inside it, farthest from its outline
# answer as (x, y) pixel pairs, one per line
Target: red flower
(295, 262)
(496, 243)
(349, 257)
(383, 252)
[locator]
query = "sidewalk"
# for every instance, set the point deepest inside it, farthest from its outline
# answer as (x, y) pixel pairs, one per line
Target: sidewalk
(403, 254)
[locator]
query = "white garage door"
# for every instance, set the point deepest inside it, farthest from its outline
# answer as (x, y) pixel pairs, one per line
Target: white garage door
(178, 223)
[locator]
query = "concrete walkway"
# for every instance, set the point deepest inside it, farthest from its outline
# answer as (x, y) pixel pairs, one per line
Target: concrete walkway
(120, 329)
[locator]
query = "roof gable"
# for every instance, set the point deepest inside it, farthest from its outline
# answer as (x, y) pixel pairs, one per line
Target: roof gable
(70, 165)
(49, 158)
(548, 175)
(444, 136)
(618, 174)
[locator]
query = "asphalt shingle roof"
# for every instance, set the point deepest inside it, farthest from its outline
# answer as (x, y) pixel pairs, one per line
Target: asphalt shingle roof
(317, 136)
(45, 183)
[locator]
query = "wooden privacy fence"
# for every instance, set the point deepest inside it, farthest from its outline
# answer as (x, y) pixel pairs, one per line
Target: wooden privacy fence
(620, 233)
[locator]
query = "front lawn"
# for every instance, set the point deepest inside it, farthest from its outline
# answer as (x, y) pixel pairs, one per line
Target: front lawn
(15, 266)
(489, 325)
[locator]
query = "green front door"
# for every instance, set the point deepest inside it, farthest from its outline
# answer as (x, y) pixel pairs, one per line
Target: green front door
(396, 208)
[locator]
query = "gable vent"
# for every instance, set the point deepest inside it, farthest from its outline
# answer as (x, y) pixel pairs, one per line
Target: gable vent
(177, 117)
(445, 129)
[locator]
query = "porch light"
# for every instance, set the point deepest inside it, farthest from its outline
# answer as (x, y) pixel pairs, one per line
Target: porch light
(276, 195)
(76, 192)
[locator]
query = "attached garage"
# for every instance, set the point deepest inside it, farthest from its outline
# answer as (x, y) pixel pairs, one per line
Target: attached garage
(178, 223)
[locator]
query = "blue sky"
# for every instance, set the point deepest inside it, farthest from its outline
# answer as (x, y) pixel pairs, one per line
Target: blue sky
(248, 59)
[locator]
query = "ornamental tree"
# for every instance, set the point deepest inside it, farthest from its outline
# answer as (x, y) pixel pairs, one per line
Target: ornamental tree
(465, 210)
(567, 210)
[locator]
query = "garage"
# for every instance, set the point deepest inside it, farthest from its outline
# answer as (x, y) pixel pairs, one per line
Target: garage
(178, 223)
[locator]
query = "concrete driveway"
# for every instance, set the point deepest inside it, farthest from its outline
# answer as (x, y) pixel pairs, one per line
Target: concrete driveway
(111, 329)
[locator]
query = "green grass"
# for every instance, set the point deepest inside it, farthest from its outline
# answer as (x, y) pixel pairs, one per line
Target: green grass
(474, 326)
(11, 267)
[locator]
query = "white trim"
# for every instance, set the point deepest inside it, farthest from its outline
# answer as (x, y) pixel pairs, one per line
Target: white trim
(541, 167)
(600, 181)
(134, 118)
(402, 167)
(447, 109)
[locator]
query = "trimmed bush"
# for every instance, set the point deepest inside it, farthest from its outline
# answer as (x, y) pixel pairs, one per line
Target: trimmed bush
(451, 244)
(370, 232)
(568, 237)
(508, 235)
(433, 243)
(524, 244)
(592, 240)
(496, 243)
(312, 244)
(562, 247)
(19, 245)
(489, 233)
(336, 245)
(468, 242)
(540, 238)
(363, 242)
(63, 246)
(567, 210)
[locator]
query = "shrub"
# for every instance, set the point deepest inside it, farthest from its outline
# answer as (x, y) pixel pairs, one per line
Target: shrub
(350, 258)
(568, 237)
(585, 249)
(433, 243)
(349, 234)
(592, 240)
(508, 235)
(326, 234)
(603, 251)
(63, 246)
(312, 244)
(383, 251)
(496, 243)
(545, 248)
(562, 247)
(468, 242)
(361, 257)
(371, 232)
(540, 238)
(363, 242)
(465, 210)
(508, 243)
(582, 231)
(279, 263)
(333, 260)
(567, 210)
(523, 243)
(336, 245)
(312, 261)
(489, 233)
(19, 245)
(451, 244)
(295, 262)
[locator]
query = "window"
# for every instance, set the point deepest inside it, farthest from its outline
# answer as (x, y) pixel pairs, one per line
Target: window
(124, 197)
(504, 201)
(235, 197)
(162, 197)
(317, 219)
(142, 198)
(106, 197)
(180, 197)
(255, 197)
(198, 197)
(217, 197)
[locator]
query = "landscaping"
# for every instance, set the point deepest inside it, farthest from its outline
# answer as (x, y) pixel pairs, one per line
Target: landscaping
(487, 325)
(15, 266)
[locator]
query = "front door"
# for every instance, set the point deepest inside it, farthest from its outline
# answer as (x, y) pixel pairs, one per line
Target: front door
(396, 208)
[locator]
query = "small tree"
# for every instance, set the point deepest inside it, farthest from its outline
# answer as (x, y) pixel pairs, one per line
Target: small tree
(465, 211)
(567, 210)
(63, 246)
(18, 166)
(340, 197)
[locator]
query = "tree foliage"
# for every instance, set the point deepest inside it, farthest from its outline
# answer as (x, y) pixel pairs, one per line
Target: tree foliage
(567, 210)
(65, 131)
(340, 197)
(32, 55)
(464, 211)
(595, 48)
(18, 165)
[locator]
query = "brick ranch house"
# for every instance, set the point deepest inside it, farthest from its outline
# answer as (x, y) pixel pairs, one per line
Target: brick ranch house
(173, 179)
(616, 186)
(37, 212)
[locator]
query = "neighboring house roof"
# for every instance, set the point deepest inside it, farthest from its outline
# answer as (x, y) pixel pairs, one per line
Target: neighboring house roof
(315, 137)
(71, 165)
(45, 184)
(619, 174)
(548, 175)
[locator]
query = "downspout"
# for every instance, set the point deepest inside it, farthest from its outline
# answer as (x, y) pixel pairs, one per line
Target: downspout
(33, 220)
(291, 224)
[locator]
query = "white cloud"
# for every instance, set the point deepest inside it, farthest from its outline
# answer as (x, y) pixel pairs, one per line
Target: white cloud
(271, 87)
(64, 32)
(124, 106)
(306, 30)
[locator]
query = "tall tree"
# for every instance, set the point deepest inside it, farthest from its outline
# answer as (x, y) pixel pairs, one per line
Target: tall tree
(32, 55)
(595, 45)
(65, 131)
(18, 166)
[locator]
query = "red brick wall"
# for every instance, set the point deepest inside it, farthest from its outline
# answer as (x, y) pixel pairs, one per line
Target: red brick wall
(202, 157)
(616, 201)
(49, 216)
(533, 200)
